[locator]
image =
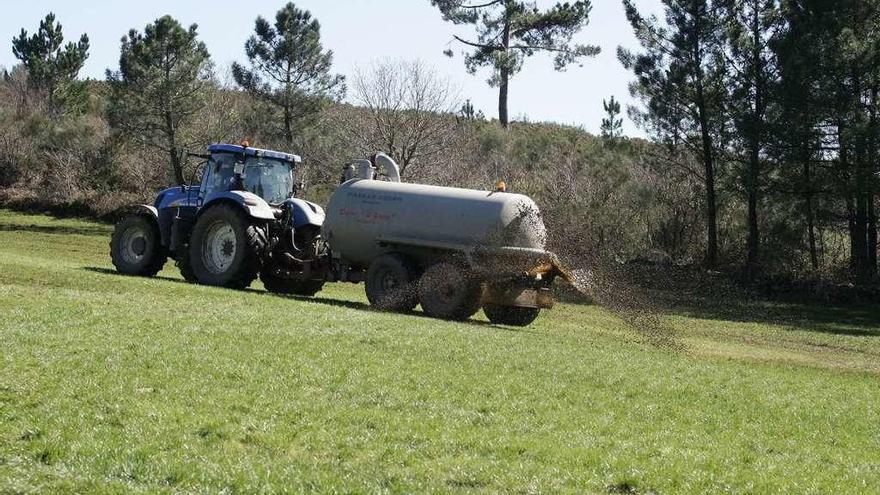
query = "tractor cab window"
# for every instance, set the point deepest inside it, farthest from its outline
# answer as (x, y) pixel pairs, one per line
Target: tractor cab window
(269, 179)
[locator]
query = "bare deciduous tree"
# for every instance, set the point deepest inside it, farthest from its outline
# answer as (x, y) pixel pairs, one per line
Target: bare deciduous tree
(412, 112)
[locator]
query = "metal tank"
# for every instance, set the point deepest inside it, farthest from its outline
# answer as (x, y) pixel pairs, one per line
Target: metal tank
(367, 218)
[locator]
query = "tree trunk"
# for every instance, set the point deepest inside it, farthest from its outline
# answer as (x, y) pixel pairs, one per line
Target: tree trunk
(872, 236)
(851, 228)
(845, 175)
(709, 165)
(870, 193)
(861, 236)
(707, 145)
(856, 209)
(288, 124)
(502, 98)
(177, 166)
(752, 187)
(173, 152)
(755, 137)
(860, 187)
(860, 230)
(504, 76)
(711, 218)
(811, 221)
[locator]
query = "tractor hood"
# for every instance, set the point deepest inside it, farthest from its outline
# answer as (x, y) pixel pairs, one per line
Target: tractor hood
(177, 196)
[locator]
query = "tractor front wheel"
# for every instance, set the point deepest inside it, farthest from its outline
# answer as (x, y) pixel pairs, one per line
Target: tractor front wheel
(135, 246)
(185, 268)
(225, 248)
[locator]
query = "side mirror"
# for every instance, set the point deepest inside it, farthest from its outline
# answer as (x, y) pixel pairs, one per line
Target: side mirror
(197, 172)
(182, 156)
(239, 168)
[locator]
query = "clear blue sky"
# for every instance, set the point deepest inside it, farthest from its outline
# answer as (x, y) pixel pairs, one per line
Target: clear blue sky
(359, 31)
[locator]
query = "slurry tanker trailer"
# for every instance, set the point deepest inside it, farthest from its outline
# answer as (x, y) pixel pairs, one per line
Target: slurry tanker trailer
(453, 251)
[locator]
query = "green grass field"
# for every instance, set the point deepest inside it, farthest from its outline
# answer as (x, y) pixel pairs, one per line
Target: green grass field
(119, 384)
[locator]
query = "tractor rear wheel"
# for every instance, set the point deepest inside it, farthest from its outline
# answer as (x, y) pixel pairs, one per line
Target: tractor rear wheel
(135, 246)
(391, 283)
(225, 248)
(278, 285)
(448, 292)
(511, 315)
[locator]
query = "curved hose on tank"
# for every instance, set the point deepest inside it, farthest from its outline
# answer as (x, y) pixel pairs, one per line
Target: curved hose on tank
(392, 171)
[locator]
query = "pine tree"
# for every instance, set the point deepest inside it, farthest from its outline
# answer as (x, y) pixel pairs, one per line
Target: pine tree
(851, 66)
(509, 31)
(751, 29)
(680, 78)
(160, 86)
(52, 66)
(612, 126)
(467, 112)
(798, 133)
(289, 68)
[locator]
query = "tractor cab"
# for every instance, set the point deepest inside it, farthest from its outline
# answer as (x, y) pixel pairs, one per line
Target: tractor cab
(264, 173)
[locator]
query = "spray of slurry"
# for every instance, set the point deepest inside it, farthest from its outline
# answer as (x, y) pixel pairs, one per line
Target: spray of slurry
(610, 284)
(611, 288)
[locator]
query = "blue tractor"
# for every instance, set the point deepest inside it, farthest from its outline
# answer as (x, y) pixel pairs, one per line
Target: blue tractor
(240, 222)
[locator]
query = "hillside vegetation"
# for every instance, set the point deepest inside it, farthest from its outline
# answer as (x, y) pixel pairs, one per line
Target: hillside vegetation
(761, 163)
(113, 384)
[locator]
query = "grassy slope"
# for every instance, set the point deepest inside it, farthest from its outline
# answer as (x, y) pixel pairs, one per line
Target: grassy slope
(111, 383)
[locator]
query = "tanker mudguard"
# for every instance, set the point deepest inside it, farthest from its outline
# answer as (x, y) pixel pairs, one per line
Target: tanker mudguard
(306, 213)
(254, 205)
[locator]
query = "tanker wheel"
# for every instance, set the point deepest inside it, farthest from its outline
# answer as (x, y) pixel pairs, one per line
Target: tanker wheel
(225, 248)
(278, 285)
(448, 292)
(511, 315)
(391, 283)
(135, 247)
